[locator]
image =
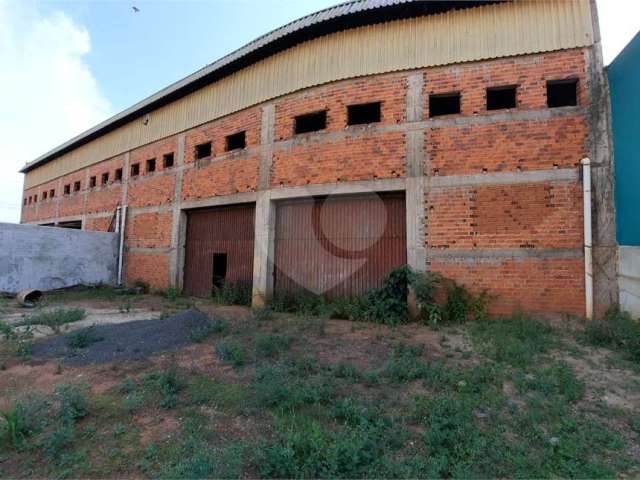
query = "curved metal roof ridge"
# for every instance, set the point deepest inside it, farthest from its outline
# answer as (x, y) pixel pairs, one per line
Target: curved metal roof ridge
(332, 19)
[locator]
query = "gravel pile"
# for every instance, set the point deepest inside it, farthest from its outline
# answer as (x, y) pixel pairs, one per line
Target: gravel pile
(124, 341)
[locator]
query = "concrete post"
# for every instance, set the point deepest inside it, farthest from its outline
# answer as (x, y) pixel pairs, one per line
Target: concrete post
(179, 221)
(263, 249)
(265, 214)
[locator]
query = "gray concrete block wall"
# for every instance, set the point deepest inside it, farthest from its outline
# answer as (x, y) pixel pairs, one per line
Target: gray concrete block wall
(47, 258)
(629, 279)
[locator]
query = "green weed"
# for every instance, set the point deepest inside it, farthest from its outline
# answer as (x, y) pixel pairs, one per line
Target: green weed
(54, 318)
(273, 345)
(516, 340)
(232, 352)
(617, 330)
(200, 334)
(233, 294)
(83, 338)
(73, 403)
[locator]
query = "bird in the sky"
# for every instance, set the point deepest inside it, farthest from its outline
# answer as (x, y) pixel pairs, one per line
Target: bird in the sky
(135, 9)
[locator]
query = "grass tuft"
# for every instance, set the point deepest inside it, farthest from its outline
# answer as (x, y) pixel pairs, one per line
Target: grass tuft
(54, 318)
(617, 330)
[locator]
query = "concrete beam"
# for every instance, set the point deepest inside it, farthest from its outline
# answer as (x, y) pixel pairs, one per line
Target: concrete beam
(498, 254)
(504, 178)
(263, 252)
(340, 188)
(243, 197)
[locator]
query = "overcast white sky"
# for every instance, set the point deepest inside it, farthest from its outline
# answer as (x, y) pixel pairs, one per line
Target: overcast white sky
(48, 93)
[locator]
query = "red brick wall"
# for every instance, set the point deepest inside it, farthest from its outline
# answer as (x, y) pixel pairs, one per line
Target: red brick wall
(379, 156)
(528, 216)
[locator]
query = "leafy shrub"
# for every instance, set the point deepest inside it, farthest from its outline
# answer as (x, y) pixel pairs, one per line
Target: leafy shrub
(461, 305)
(348, 371)
(231, 293)
(5, 330)
(83, 338)
(55, 318)
(56, 442)
(26, 417)
(169, 385)
(616, 330)
(200, 334)
(171, 294)
(515, 340)
(388, 304)
(232, 352)
(73, 402)
(132, 401)
(273, 345)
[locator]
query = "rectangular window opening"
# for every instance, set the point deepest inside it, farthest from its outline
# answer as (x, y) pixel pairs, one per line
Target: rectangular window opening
(219, 270)
(73, 224)
(67, 189)
(363, 113)
(562, 93)
(52, 193)
(25, 201)
(444, 104)
(311, 122)
(135, 169)
(35, 198)
(92, 182)
(76, 186)
(500, 98)
(44, 195)
(118, 175)
(30, 199)
(151, 165)
(167, 160)
(203, 150)
(105, 178)
(236, 141)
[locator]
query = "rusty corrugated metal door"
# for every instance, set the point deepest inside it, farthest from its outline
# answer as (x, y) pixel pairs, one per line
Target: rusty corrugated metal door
(340, 245)
(219, 231)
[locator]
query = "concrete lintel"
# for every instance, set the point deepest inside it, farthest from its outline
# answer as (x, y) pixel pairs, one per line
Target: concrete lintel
(133, 211)
(263, 252)
(243, 197)
(161, 250)
(499, 254)
(504, 178)
(341, 188)
(509, 116)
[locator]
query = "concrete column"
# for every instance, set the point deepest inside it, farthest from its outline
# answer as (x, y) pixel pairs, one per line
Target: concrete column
(263, 249)
(415, 160)
(179, 222)
(265, 214)
(605, 248)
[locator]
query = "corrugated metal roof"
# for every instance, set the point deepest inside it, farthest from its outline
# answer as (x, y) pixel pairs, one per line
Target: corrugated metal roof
(339, 17)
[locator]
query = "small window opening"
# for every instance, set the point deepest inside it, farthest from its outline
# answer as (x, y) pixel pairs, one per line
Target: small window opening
(219, 269)
(92, 182)
(135, 169)
(35, 198)
(203, 150)
(151, 165)
(52, 193)
(67, 189)
(236, 141)
(25, 200)
(73, 224)
(44, 195)
(118, 175)
(562, 93)
(311, 122)
(105, 178)
(30, 199)
(76, 186)
(363, 113)
(500, 98)
(167, 160)
(444, 104)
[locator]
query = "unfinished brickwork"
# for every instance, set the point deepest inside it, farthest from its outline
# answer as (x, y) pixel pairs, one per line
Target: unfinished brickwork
(500, 197)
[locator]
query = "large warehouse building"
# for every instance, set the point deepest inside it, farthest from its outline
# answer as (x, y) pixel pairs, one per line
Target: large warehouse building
(447, 135)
